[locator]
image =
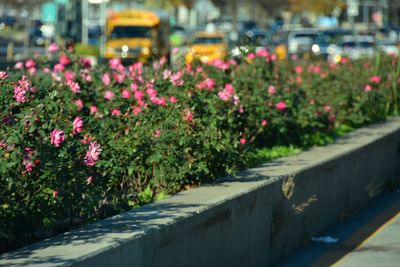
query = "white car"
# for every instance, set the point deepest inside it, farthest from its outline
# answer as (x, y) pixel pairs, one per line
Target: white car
(352, 47)
(388, 46)
(301, 40)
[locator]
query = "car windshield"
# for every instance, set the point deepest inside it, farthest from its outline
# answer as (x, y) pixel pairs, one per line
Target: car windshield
(130, 32)
(353, 44)
(208, 40)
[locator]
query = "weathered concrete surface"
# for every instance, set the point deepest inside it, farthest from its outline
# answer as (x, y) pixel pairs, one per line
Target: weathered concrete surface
(251, 220)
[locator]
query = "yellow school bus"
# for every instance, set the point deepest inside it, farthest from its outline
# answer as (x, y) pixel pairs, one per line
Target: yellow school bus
(207, 46)
(137, 35)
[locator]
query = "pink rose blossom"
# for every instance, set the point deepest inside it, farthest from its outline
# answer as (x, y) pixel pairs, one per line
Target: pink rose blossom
(69, 76)
(53, 47)
(29, 63)
(116, 112)
(281, 106)
(188, 115)
(262, 53)
(92, 155)
(126, 94)
(227, 93)
(3, 75)
(64, 60)
(251, 56)
(108, 95)
(175, 50)
(264, 122)
(77, 125)
(328, 108)
(58, 68)
(243, 141)
(79, 104)
(89, 180)
(106, 79)
(167, 74)
(46, 70)
(298, 69)
(74, 86)
(157, 133)
(114, 63)
(209, 83)
(57, 137)
(19, 65)
(271, 90)
(367, 88)
(93, 109)
(375, 79)
(172, 99)
(55, 193)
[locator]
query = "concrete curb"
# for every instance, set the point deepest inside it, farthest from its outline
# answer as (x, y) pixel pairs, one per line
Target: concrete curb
(250, 220)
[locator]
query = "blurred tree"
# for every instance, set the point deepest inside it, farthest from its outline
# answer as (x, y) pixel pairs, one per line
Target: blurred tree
(320, 7)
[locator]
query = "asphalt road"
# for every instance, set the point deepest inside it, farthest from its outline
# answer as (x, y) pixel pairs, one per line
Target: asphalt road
(370, 238)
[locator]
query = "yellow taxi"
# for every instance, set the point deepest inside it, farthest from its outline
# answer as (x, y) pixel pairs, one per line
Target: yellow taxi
(207, 46)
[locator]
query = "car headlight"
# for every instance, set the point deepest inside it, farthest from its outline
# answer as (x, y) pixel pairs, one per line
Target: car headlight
(145, 51)
(315, 48)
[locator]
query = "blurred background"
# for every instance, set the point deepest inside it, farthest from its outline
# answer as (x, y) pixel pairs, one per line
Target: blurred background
(290, 28)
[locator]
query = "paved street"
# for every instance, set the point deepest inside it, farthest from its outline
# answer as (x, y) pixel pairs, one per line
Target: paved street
(369, 239)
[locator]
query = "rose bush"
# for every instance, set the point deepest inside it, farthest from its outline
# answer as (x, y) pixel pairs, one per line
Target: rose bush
(79, 143)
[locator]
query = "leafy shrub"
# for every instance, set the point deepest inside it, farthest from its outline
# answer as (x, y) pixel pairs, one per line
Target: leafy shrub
(79, 143)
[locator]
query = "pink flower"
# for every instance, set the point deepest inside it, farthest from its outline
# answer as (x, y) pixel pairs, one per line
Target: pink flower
(126, 94)
(172, 99)
(46, 70)
(79, 104)
(58, 67)
(227, 93)
(92, 155)
(188, 115)
(29, 64)
(77, 125)
(281, 106)
(116, 112)
(367, 88)
(3, 75)
(55, 193)
(57, 137)
(53, 47)
(271, 90)
(89, 180)
(157, 133)
(264, 122)
(69, 76)
(209, 83)
(108, 95)
(298, 69)
(176, 79)
(262, 53)
(64, 60)
(243, 141)
(23, 87)
(106, 79)
(327, 108)
(251, 56)
(74, 86)
(375, 79)
(236, 100)
(19, 65)
(160, 101)
(175, 50)
(167, 74)
(93, 109)
(114, 63)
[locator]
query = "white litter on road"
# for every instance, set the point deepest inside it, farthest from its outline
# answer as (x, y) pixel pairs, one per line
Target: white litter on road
(325, 239)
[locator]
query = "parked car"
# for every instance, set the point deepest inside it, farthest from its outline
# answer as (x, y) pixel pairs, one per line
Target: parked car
(301, 41)
(252, 40)
(327, 38)
(352, 47)
(388, 46)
